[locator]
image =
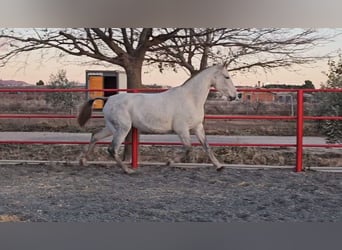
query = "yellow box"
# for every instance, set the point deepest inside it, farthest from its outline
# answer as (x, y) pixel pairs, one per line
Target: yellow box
(102, 80)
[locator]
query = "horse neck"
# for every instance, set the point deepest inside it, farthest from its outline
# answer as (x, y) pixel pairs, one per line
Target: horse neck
(198, 88)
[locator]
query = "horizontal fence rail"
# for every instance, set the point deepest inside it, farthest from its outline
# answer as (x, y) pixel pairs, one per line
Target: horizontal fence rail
(299, 118)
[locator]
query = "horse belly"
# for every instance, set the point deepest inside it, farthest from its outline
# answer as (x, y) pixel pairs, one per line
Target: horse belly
(150, 113)
(152, 123)
(153, 118)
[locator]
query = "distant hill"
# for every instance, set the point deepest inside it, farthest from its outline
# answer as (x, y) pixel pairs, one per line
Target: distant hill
(13, 83)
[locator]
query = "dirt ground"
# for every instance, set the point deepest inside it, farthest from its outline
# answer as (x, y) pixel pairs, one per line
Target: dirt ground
(312, 157)
(103, 193)
(70, 193)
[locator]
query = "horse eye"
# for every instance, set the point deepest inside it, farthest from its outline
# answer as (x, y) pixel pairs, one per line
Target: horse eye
(227, 77)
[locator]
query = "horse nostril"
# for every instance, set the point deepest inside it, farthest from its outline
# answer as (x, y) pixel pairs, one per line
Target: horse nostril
(232, 98)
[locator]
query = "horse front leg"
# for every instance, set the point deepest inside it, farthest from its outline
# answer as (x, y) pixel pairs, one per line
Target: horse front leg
(199, 131)
(95, 137)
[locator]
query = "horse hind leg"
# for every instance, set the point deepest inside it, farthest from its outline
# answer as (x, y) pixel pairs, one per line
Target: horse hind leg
(95, 137)
(119, 137)
(199, 131)
(184, 136)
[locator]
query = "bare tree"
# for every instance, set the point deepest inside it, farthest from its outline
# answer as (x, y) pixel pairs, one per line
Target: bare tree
(125, 47)
(193, 48)
(242, 49)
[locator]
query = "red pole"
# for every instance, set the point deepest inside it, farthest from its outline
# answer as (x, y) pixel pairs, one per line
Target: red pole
(135, 147)
(135, 143)
(300, 121)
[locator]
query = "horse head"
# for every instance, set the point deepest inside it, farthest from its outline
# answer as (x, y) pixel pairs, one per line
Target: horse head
(223, 83)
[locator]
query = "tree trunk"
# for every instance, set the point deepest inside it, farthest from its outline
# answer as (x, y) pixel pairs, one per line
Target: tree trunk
(133, 72)
(134, 81)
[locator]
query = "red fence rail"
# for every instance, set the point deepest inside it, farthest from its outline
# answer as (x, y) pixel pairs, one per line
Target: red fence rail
(299, 118)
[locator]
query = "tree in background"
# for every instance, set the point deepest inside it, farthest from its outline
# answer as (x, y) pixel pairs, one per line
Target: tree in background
(332, 103)
(40, 83)
(308, 85)
(243, 49)
(125, 47)
(192, 49)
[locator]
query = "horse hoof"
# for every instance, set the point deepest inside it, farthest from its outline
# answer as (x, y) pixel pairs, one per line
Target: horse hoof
(110, 152)
(129, 171)
(218, 169)
(170, 163)
(83, 162)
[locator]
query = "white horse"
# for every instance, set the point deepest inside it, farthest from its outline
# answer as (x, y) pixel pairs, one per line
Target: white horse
(179, 109)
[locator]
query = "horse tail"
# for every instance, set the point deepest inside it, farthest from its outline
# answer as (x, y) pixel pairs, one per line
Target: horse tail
(86, 110)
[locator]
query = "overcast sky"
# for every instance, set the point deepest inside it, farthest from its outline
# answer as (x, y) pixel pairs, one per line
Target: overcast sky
(32, 69)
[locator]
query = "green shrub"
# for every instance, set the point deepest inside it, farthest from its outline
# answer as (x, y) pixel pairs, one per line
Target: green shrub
(331, 103)
(64, 101)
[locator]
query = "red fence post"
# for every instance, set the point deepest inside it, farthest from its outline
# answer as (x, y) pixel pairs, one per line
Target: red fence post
(300, 124)
(135, 143)
(135, 147)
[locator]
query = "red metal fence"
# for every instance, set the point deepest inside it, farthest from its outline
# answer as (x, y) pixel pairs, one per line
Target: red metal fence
(299, 117)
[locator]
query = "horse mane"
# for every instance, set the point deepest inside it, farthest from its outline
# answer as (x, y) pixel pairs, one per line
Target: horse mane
(196, 74)
(191, 77)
